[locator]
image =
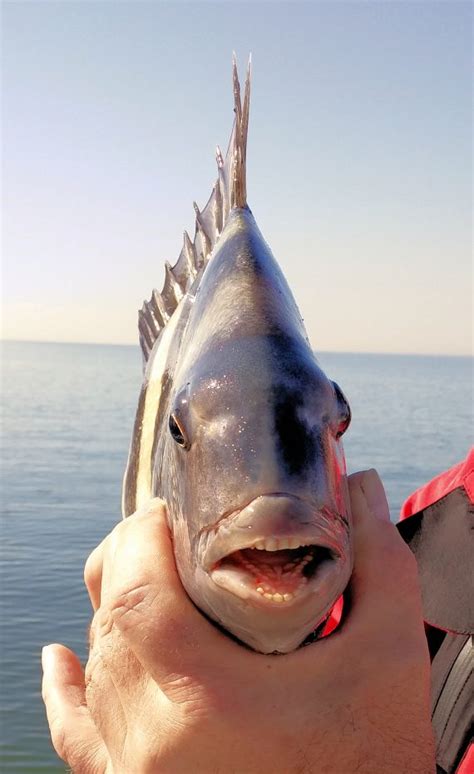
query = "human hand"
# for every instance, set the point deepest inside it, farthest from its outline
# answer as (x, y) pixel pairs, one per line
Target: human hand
(165, 691)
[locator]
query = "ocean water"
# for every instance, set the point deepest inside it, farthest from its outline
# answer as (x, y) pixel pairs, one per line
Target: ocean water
(68, 414)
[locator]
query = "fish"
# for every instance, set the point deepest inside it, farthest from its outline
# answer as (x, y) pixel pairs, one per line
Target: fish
(239, 429)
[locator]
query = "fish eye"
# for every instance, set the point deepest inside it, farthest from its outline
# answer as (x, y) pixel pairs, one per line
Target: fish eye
(343, 425)
(177, 432)
(344, 411)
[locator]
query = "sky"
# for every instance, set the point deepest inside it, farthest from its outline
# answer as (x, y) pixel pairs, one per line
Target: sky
(359, 161)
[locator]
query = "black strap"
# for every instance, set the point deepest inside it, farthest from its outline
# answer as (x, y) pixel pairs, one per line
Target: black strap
(452, 690)
(442, 539)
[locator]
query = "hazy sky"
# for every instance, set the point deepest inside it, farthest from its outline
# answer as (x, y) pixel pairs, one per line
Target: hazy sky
(359, 161)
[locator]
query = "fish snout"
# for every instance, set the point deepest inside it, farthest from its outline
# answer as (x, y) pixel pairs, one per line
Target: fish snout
(279, 564)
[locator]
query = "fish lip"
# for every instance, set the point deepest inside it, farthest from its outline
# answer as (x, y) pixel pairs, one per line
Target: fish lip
(226, 539)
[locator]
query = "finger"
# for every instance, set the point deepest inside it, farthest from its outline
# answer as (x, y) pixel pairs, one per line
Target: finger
(73, 732)
(368, 498)
(93, 573)
(384, 579)
(148, 603)
(110, 705)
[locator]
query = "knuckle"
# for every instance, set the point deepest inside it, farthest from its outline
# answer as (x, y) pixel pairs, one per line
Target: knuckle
(104, 638)
(101, 625)
(101, 658)
(91, 634)
(151, 510)
(95, 681)
(152, 507)
(129, 605)
(90, 568)
(109, 655)
(94, 664)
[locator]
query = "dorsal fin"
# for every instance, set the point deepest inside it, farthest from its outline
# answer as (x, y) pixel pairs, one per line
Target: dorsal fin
(230, 190)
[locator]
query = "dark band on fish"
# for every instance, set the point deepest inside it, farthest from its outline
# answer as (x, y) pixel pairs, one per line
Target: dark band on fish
(297, 444)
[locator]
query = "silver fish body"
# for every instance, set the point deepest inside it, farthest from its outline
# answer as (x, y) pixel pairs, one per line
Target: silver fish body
(239, 430)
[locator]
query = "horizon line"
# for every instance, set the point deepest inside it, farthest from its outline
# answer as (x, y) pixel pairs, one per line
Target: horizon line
(321, 351)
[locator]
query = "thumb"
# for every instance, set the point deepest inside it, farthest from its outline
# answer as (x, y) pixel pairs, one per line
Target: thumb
(383, 586)
(368, 498)
(73, 733)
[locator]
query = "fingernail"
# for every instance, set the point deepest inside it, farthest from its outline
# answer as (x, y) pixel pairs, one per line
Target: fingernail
(375, 496)
(47, 657)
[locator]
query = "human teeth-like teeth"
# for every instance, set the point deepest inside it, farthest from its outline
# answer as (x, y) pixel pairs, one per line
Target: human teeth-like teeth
(293, 543)
(277, 544)
(276, 596)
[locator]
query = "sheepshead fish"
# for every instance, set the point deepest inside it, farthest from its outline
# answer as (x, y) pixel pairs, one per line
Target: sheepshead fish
(239, 429)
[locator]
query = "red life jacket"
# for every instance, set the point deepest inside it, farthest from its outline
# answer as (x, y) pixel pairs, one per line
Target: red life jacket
(437, 522)
(438, 525)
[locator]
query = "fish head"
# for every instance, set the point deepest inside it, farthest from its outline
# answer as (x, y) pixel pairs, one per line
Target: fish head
(250, 458)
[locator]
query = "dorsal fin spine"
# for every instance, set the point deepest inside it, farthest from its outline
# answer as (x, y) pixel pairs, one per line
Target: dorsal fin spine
(150, 320)
(219, 210)
(158, 307)
(190, 251)
(229, 191)
(204, 234)
(145, 331)
(172, 292)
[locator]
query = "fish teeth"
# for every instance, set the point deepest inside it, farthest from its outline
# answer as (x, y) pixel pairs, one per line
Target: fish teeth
(294, 542)
(276, 596)
(277, 544)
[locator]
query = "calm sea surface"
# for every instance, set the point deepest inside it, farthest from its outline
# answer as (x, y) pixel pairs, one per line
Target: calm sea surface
(68, 414)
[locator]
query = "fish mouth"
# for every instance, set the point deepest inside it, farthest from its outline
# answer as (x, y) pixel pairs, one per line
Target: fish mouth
(291, 554)
(275, 576)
